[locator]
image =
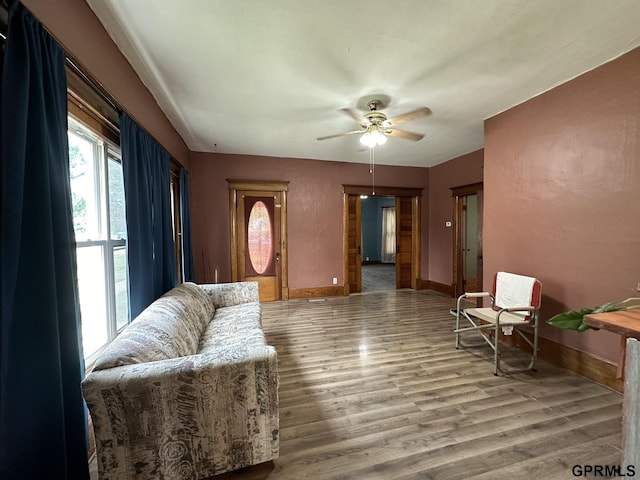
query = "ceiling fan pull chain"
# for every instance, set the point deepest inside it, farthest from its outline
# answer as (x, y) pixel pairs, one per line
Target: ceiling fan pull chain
(372, 170)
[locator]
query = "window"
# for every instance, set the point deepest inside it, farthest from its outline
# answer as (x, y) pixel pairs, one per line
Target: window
(259, 237)
(176, 221)
(388, 253)
(97, 190)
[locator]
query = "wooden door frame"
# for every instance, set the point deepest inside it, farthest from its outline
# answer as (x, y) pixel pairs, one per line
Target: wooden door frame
(416, 194)
(457, 194)
(346, 247)
(400, 212)
(269, 186)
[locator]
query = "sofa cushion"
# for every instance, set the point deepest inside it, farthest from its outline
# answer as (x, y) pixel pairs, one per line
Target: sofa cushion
(232, 327)
(227, 294)
(168, 328)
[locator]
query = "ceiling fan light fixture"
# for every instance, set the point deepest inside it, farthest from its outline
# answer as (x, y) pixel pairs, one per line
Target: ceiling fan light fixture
(373, 137)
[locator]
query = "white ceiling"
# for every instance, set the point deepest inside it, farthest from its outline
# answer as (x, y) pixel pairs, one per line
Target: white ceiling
(268, 77)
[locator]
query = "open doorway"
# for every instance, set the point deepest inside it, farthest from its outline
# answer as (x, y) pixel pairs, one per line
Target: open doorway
(467, 248)
(378, 230)
(407, 238)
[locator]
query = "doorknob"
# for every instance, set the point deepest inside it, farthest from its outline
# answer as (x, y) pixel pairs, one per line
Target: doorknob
(277, 256)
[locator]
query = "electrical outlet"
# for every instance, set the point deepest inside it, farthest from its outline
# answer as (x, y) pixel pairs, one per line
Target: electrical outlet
(335, 280)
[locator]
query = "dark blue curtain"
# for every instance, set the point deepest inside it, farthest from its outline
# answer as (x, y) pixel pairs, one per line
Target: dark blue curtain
(42, 414)
(185, 217)
(150, 247)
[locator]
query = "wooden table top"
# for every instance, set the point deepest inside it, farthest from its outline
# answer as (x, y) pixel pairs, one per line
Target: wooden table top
(626, 322)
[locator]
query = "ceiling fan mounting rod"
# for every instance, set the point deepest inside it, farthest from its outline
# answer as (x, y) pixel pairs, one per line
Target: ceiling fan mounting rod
(373, 105)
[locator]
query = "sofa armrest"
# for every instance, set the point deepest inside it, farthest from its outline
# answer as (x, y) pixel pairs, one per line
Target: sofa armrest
(224, 403)
(212, 363)
(228, 294)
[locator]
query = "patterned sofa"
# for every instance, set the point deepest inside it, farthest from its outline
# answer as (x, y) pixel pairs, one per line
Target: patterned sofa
(188, 390)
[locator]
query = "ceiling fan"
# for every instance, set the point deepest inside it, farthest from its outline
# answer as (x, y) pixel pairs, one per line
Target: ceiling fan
(376, 126)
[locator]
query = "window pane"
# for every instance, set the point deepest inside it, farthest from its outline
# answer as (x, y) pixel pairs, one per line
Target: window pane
(84, 181)
(93, 305)
(118, 221)
(121, 291)
(99, 221)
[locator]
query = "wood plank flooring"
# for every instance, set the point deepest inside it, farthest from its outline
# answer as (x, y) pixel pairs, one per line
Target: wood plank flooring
(372, 387)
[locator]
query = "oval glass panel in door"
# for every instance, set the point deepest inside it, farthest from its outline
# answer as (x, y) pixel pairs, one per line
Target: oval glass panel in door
(260, 237)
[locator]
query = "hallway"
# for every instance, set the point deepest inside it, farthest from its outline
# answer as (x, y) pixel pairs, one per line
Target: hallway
(378, 277)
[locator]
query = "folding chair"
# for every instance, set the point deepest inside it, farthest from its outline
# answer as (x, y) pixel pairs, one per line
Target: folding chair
(515, 306)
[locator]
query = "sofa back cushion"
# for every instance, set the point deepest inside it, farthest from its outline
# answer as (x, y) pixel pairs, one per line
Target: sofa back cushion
(168, 328)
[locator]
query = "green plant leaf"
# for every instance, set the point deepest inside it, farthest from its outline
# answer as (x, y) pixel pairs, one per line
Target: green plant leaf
(607, 307)
(571, 320)
(574, 319)
(584, 327)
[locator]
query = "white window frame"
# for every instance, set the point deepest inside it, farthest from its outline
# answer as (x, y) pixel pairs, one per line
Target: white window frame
(104, 152)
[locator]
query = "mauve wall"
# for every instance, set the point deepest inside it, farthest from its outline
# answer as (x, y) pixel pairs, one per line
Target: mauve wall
(463, 170)
(315, 209)
(81, 34)
(562, 195)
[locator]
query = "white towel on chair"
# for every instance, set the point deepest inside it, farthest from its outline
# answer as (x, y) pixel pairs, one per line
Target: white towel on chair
(513, 290)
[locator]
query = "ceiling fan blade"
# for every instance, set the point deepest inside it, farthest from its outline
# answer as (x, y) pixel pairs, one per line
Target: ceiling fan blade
(353, 114)
(405, 117)
(352, 132)
(402, 134)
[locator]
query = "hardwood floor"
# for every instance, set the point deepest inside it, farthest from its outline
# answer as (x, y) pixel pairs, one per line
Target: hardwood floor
(372, 387)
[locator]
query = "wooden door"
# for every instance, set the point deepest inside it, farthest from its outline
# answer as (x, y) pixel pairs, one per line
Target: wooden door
(258, 244)
(467, 254)
(354, 243)
(259, 241)
(469, 250)
(404, 241)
